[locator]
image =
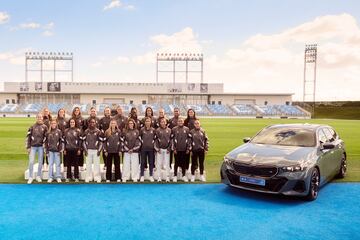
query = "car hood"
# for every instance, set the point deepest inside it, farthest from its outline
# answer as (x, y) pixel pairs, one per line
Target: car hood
(251, 153)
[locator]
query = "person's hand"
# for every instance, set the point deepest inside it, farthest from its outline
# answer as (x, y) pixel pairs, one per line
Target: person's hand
(85, 153)
(187, 152)
(130, 151)
(78, 152)
(28, 150)
(98, 153)
(205, 152)
(64, 152)
(175, 152)
(106, 154)
(167, 151)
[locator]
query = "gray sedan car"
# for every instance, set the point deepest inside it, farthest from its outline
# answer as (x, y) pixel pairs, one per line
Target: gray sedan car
(288, 159)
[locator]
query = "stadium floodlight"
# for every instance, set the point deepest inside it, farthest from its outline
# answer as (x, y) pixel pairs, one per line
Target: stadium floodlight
(309, 85)
(41, 57)
(174, 58)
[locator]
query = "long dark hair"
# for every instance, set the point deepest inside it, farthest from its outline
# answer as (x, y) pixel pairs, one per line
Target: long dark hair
(152, 112)
(127, 124)
(73, 113)
(133, 115)
(188, 116)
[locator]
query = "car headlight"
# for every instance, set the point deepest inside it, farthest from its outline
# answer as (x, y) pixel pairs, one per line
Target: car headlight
(226, 160)
(293, 169)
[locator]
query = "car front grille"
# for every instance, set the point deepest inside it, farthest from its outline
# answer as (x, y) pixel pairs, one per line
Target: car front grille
(259, 171)
(273, 184)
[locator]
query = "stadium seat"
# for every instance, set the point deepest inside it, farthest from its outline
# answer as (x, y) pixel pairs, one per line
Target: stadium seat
(244, 110)
(9, 108)
(216, 109)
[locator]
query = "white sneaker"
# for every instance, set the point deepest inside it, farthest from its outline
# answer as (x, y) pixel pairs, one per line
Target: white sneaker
(50, 180)
(107, 181)
(141, 179)
(67, 180)
(185, 179)
(58, 180)
(30, 180)
(159, 179)
(202, 178)
(38, 179)
(167, 179)
(82, 169)
(76, 180)
(175, 179)
(119, 180)
(124, 180)
(98, 181)
(135, 180)
(192, 178)
(151, 179)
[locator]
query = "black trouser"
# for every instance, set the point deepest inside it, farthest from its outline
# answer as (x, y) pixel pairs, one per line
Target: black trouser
(147, 156)
(197, 158)
(180, 158)
(104, 158)
(81, 158)
(73, 160)
(187, 161)
(109, 159)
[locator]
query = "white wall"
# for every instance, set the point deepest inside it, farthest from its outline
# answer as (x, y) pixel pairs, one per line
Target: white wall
(10, 96)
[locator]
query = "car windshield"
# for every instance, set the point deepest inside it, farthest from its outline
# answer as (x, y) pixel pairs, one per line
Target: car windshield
(286, 137)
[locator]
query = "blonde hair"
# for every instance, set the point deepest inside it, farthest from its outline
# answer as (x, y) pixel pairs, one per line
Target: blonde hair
(109, 130)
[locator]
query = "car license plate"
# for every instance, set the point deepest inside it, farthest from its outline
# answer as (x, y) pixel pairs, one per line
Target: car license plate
(255, 181)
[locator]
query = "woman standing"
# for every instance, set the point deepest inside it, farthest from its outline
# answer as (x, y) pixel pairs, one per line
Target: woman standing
(54, 146)
(149, 113)
(190, 123)
(112, 150)
(80, 124)
(62, 125)
(35, 140)
(131, 143)
(133, 116)
(147, 136)
(72, 151)
(163, 147)
(199, 148)
(180, 146)
(120, 118)
(92, 145)
(104, 124)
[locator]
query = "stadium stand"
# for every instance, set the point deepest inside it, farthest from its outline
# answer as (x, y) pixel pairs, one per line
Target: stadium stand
(268, 110)
(244, 110)
(8, 108)
(199, 109)
(290, 110)
(216, 109)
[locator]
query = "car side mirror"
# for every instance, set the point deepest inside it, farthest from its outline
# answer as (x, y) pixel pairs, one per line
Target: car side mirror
(328, 146)
(247, 139)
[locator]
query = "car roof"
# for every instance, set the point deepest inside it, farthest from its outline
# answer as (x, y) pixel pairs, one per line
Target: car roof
(299, 125)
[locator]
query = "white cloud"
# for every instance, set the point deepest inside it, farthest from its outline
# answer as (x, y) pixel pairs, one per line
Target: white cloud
(49, 26)
(4, 17)
(184, 41)
(16, 57)
(30, 25)
(113, 4)
(273, 63)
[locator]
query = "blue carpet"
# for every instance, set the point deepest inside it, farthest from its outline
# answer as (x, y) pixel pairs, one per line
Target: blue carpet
(175, 211)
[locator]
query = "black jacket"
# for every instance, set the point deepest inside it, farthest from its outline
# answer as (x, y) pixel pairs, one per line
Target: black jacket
(36, 135)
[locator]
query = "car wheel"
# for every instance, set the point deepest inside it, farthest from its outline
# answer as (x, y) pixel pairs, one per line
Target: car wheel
(343, 167)
(314, 185)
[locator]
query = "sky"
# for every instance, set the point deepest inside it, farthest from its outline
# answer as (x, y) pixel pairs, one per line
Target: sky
(251, 46)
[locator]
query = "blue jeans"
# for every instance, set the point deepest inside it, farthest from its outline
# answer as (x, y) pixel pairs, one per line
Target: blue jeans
(54, 157)
(40, 152)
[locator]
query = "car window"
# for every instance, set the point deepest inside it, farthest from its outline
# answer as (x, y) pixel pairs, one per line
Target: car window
(322, 136)
(333, 133)
(286, 136)
(328, 134)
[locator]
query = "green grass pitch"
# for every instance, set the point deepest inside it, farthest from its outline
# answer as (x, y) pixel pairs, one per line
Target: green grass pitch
(224, 134)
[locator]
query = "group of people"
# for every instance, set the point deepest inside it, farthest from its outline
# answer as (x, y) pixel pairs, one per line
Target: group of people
(151, 142)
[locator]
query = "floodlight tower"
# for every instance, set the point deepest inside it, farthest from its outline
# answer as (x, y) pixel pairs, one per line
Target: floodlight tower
(310, 62)
(39, 59)
(170, 61)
